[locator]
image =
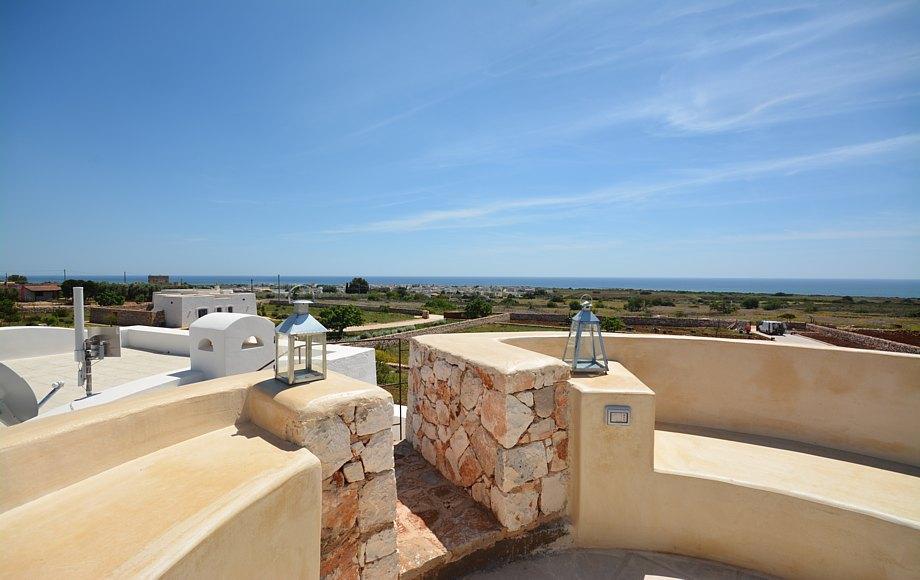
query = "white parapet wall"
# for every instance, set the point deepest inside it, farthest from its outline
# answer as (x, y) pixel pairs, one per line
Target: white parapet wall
(156, 339)
(28, 341)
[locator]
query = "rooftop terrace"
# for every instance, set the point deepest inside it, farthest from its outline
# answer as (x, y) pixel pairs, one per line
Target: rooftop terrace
(738, 460)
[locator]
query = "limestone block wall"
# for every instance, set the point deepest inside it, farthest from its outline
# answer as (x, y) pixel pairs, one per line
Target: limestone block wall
(358, 538)
(503, 436)
(350, 433)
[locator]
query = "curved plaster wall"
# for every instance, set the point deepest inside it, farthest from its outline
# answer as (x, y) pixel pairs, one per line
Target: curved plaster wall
(29, 341)
(860, 401)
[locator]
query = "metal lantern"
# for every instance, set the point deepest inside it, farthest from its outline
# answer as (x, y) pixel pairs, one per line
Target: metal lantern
(300, 347)
(584, 350)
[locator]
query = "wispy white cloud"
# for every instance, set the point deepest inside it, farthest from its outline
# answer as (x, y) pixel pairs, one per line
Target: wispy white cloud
(473, 216)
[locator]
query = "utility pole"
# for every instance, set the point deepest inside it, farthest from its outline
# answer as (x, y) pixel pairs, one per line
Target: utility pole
(125, 274)
(65, 273)
(250, 284)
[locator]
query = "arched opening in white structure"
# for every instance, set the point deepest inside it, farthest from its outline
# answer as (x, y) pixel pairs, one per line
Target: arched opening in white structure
(206, 345)
(252, 342)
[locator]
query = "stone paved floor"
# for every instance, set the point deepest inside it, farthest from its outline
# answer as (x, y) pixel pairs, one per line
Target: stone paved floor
(436, 522)
(614, 564)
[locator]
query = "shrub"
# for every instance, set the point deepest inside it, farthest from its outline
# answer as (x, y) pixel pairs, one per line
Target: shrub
(750, 303)
(574, 305)
(723, 306)
(635, 304)
(787, 316)
(612, 324)
(773, 304)
(477, 308)
(327, 289)
(340, 317)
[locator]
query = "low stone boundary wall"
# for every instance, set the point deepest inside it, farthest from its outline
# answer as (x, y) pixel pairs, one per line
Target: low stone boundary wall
(26, 308)
(670, 321)
(125, 316)
(872, 342)
(364, 306)
(503, 437)
(391, 339)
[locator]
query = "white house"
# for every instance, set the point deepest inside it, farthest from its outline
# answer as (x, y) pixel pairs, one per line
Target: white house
(184, 306)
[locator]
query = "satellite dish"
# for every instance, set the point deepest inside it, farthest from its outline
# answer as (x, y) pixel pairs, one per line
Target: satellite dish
(17, 400)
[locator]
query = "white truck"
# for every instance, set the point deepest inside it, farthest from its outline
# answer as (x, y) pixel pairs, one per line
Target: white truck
(772, 327)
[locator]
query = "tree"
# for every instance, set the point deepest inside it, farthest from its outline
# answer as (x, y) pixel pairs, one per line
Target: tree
(327, 289)
(357, 286)
(340, 317)
(17, 279)
(478, 307)
(612, 324)
(109, 297)
(750, 303)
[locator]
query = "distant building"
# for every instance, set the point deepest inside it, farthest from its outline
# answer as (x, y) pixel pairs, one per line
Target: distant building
(158, 279)
(39, 292)
(182, 307)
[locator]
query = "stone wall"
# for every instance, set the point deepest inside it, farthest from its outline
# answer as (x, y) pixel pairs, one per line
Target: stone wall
(872, 342)
(353, 440)
(502, 437)
(391, 339)
(669, 321)
(368, 306)
(125, 316)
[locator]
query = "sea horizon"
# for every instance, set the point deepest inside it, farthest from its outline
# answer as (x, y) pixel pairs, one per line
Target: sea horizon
(863, 287)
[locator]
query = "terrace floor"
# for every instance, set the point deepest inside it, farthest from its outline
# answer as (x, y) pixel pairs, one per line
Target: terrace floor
(613, 564)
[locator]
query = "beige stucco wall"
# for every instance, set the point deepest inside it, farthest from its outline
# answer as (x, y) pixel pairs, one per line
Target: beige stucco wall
(860, 401)
(620, 501)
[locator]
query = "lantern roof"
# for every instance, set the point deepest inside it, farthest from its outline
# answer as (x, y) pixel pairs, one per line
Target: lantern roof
(301, 322)
(585, 315)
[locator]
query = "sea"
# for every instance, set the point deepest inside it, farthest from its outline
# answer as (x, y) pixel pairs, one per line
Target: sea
(888, 288)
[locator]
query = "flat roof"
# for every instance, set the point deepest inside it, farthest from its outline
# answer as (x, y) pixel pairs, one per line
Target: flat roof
(41, 371)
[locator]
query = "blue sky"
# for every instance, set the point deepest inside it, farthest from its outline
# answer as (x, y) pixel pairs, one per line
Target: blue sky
(469, 138)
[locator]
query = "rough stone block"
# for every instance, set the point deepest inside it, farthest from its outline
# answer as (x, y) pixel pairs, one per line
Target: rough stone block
(378, 455)
(340, 510)
(470, 389)
(377, 502)
(554, 492)
(516, 509)
(386, 568)
(505, 417)
(381, 544)
(373, 418)
(541, 429)
(353, 472)
(486, 449)
(469, 469)
(526, 397)
(520, 465)
(330, 440)
(544, 401)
